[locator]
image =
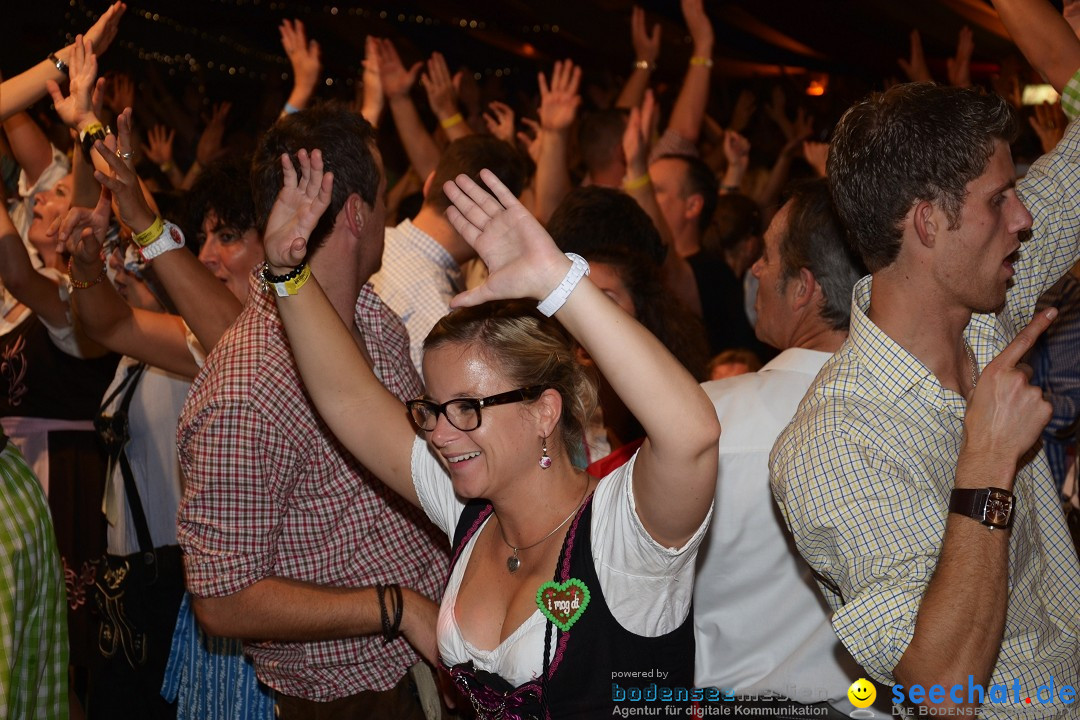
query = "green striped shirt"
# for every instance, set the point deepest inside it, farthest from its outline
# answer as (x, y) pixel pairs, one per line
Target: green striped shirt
(33, 619)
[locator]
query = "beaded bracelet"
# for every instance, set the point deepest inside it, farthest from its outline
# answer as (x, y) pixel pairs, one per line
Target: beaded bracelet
(287, 284)
(84, 284)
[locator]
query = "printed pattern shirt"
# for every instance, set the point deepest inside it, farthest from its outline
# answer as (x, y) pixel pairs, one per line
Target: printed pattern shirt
(270, 492)
(864, 472)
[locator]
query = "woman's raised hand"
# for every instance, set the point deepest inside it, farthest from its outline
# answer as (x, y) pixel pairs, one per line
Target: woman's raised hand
(522, 259)
(297, 209)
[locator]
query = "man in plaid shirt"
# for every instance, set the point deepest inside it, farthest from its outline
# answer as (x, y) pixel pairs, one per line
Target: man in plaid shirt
(910, 481)
(285, 535)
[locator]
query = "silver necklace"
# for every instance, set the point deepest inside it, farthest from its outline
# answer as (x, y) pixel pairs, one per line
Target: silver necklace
(971, 359)
(514, 562)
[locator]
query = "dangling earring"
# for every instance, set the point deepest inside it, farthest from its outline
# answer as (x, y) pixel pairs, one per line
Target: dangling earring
(545, 461)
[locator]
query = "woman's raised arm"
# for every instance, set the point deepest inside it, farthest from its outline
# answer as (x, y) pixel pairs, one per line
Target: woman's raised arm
(675, 473)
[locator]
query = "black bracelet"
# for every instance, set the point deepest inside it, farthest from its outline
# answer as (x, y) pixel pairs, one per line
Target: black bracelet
(60, 64)
(399, 606)
(295, 272)
(380, 590)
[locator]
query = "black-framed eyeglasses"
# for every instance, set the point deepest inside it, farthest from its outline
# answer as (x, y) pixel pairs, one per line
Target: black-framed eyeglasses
(464, 413)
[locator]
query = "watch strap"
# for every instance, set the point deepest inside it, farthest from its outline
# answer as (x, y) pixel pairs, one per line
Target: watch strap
(972, 503)
(171, 238)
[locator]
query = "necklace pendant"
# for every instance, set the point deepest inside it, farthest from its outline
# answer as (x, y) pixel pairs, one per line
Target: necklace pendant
(513, 562)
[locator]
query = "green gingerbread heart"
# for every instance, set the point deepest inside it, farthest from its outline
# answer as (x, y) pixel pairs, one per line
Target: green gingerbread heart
(563, 603)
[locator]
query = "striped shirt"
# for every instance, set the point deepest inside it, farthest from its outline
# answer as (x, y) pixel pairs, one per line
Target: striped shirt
(33, 612)
(270, 492)
(864, 472)
(418, 279)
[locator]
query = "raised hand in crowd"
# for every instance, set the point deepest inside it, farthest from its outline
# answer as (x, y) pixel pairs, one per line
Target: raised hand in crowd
(745, 106)
(530, 138)
(211, 142)
(959, 66)
(371, 97)
(1049, 124)
(1006, 82)
(646, 50)
(915, 66)
(396, 80)
(119, 93)
(76, 110)
(306, 66)
(559, 102)
(500, 121)
(442, 89)
(21, 91)
(737, 154)
(159, 150)
(816, 154)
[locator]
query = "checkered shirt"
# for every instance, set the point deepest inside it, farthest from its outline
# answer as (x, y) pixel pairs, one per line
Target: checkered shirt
(270, 492)
(864, 472)
(33, 608)
(417, 280)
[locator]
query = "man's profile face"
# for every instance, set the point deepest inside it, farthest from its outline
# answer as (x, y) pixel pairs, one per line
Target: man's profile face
(669, 182)
(973, 263)
(771, 305)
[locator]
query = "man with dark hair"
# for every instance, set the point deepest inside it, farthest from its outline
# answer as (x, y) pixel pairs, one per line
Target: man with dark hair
(288, 540)
(909, 479)
(421, 265)
(806, 274)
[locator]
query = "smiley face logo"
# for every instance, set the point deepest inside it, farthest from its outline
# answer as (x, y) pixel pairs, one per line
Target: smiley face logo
(862, 693)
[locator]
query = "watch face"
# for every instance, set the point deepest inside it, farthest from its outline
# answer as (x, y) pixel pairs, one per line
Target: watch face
(999, 507)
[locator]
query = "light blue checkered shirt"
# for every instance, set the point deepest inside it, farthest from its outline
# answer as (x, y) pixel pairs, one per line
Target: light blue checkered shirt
(417, 280)
(864, 472)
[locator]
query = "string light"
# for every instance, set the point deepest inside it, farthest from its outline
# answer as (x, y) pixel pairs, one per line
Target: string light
(82, 16)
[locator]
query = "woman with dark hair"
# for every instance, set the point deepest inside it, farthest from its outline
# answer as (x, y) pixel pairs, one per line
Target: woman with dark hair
(624, 251)
(555, 573)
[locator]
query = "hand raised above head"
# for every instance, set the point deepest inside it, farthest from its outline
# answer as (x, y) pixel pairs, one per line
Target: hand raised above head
(122, 181)
(522, 259)
(82, 230)
(296, 211)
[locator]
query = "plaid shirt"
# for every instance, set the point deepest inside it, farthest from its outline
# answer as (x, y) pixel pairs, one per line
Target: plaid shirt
(864, 472)
(33, 617)
(270, 492)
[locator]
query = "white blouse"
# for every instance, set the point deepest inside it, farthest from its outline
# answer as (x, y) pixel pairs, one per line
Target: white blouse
(647, 587)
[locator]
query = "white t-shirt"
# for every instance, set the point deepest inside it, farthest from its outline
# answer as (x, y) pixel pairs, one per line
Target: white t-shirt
(647, 587)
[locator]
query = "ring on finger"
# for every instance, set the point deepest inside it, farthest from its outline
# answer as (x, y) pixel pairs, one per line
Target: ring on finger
(124, 155)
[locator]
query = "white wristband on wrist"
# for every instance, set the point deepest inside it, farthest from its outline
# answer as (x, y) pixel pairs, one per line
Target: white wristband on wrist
(171, 238)
(551, 304)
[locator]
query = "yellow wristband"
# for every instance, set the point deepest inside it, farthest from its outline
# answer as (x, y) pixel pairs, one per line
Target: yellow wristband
(637, 183)
(293, 285)
(150, 234)
(90, 130)
(698, 60)
(451, 121)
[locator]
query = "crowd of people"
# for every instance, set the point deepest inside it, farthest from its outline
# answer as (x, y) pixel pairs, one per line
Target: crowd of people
(605, 414)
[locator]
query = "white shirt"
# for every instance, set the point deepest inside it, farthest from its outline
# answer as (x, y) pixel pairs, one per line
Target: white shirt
(417, 280)
(760, 623)
(152, 417)
(647, 587)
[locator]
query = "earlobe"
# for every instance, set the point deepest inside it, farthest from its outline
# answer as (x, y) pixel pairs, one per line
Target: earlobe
(806, 287)
(355, 214)
(925, 222)
(427, 183)
(549, 407)
(694, 206)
